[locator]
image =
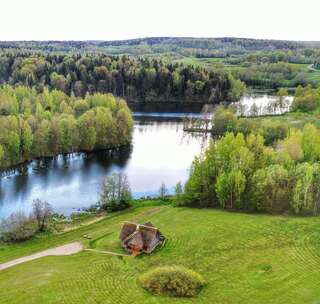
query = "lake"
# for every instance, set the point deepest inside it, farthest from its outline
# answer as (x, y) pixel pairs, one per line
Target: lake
(161, 152)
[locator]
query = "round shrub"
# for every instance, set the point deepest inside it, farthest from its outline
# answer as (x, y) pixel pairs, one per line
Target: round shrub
(172, 281)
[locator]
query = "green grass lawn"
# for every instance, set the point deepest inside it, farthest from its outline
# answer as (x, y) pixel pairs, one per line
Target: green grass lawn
(244, 258)
(203, 62)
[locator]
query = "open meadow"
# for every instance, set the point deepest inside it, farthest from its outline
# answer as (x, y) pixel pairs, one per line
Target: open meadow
(244, 258)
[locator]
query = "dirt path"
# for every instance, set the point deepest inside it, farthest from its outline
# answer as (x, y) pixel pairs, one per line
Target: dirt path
(68, 249)
(312, 68)
(108, 252)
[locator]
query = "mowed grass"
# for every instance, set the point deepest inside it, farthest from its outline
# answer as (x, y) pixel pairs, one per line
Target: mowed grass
(244, 259)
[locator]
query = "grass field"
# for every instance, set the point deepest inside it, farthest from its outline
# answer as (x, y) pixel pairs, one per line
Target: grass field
(244, 258)
(203, 62)
(310, 75)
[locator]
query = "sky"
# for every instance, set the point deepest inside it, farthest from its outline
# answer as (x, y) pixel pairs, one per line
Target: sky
(125, 19)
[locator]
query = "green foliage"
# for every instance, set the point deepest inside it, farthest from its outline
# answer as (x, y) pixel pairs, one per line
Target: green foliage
(306, 197)
(51, 122)
(238, 88)
(306, 99)
(230, 188)
(311, 143)
(178, 194)
(174, 281)
(116, 194)
(243, 174)
(224, 120)
(273, 131)
(272, 75)
(139, 79)
(292, 146)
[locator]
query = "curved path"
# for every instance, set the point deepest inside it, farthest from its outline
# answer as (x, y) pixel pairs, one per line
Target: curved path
(312, 68)
(68, 249)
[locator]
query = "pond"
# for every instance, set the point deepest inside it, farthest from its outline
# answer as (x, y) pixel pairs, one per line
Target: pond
(161, 152)
(263, 104)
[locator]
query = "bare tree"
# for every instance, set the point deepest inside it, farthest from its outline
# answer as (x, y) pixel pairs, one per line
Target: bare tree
(42, 212)
(17, 227)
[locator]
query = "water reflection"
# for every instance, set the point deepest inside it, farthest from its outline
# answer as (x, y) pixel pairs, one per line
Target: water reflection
(161, 152)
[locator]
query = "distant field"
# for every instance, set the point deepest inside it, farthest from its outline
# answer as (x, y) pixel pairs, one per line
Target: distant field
(244, 258)
(203, 62)
(311, 76)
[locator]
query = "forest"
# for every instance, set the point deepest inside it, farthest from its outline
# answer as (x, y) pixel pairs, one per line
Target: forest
(160, 45)
(45, 124)
(260, 165)
(242, 173)
(141, 79)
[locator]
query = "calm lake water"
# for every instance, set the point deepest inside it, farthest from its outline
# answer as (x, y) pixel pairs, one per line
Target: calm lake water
(161, 152)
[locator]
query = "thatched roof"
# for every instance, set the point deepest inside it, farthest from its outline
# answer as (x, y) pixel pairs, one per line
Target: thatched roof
(135, 240)
(148, 234)
(127, 229)
(143, 238)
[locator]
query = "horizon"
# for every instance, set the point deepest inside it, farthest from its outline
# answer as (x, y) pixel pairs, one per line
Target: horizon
(96, 20)
(154, 37)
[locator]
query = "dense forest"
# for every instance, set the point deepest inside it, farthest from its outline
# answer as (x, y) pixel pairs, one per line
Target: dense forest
(272, 75)
(260, 165)
(199, 47)
(242, 173)
(45, 124)
(298, 56)
(153, 69)
(134, 79)
(274, 69)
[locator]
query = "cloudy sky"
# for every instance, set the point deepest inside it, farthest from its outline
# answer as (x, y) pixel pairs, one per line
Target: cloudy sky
(122, 19)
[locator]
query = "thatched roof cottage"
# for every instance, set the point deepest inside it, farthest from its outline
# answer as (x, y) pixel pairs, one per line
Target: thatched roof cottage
(137, 238)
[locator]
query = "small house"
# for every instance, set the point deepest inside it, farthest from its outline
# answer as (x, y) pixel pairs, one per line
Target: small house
(140, 238)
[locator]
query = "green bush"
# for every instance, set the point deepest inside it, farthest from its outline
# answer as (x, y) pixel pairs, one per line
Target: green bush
(172, 281)
(224, 120)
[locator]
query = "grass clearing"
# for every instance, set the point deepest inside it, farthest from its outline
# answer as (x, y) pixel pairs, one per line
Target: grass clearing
(244, 259)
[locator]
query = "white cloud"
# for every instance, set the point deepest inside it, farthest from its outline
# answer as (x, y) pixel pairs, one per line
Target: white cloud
(121, 19)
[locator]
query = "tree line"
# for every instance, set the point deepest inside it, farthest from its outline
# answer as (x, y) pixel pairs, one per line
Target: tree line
(298, 56)
(274, 75)
(242, 173)
(45, 124)
(162, 45)
(307, 99)
(134, 79)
